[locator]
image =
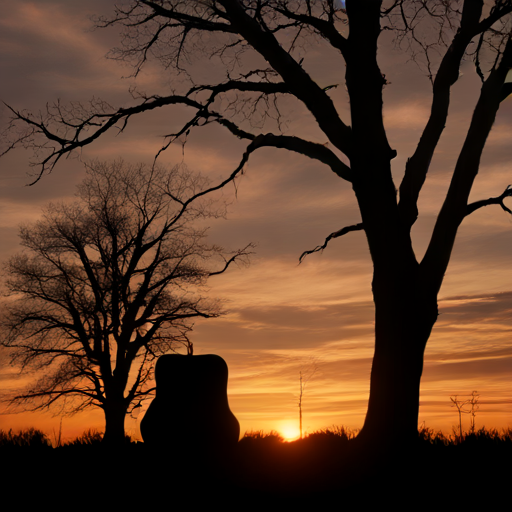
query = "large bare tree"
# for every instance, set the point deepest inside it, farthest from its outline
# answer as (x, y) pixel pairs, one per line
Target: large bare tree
(107, 284)
(259, 43)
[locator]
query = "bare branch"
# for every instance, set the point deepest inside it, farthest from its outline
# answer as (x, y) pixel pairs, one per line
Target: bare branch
(336, 234)
(240, 254)
(448, 73)
(78, 121)
(455, 206)
(298, 81)
(492, 200)
(324, 25)
(304, 147)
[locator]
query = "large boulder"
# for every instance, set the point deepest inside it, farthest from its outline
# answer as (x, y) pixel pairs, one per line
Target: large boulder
(190, 413)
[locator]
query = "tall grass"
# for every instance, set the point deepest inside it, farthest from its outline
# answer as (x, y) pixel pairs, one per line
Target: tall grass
(35, 438)
(90, 437)
(259, 435)
(29, 438)
(335, 432)
(481, 436)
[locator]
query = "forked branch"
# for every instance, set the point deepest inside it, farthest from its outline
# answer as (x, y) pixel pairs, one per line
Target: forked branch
(455, 207)
(492, 200)
(241, 253)
(418, 165)
(325, 27)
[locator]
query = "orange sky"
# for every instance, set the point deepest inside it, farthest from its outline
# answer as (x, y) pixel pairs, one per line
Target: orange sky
(283, 318)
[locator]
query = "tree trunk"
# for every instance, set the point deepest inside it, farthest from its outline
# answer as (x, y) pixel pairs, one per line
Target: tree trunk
(402, 327)
(115, 414)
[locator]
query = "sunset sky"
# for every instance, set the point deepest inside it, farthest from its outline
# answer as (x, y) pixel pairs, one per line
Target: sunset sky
(281, 318)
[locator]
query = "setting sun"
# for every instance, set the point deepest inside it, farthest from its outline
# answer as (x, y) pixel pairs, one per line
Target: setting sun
(289, 431)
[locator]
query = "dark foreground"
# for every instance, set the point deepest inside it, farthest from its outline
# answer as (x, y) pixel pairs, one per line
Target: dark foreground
(325, 471)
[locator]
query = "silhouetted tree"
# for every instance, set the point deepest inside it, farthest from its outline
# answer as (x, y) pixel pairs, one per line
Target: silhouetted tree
(106, 285)
(305, 375)
(258, 44)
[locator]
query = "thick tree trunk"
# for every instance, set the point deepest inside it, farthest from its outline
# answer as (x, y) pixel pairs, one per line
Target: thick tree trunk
(402, 328)
(115, 414)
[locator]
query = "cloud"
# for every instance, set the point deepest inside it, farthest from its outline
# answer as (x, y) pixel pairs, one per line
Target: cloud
(406, 116)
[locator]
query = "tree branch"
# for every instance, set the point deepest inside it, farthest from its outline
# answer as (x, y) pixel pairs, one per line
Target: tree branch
(418, 165)
(304, 147)
(191, 21)
(336, 234)
(298, 81)
(492, 200)
(101, 122)
(455, 206)
(238, 254)
(325, 27)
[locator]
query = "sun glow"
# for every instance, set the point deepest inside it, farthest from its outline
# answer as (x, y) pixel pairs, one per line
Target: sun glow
(289, 431)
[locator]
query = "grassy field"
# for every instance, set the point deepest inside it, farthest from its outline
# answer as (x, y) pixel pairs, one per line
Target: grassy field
(326, 467)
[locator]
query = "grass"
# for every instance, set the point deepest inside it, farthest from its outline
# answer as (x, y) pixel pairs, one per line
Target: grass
(322, 466)
(426, 435)
(481, 436)
(29, 438)
(35, 438)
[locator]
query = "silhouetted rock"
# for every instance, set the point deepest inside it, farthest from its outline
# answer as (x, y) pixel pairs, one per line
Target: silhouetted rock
(190, 414)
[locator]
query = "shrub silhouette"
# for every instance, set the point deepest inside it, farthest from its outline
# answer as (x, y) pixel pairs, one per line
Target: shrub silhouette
(29, 438)
(90, 437)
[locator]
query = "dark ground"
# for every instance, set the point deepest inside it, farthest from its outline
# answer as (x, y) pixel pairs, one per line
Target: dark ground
(321, 472)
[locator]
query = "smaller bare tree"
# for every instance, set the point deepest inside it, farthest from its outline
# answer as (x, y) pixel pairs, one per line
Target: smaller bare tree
(305, 375)
(467, 406)
(474, 407)
(106, 285)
